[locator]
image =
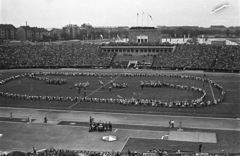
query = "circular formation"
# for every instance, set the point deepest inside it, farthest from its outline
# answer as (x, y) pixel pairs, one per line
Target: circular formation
(199, 102)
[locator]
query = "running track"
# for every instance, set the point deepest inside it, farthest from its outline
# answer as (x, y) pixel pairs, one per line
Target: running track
(120, 118)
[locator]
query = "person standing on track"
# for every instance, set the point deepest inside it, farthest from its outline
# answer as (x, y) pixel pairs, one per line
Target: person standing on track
(110, 126)
(172, 123)
(45, 119)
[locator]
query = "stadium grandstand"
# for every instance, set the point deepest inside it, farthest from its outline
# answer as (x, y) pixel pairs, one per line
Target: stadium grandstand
(89, 55)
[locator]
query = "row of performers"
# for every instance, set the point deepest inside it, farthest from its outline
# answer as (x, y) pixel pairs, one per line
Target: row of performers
(12, 78)
(113, 74)
(153, 83)
(122, 101)
(113, 84)
(49, 80)
(76, 74)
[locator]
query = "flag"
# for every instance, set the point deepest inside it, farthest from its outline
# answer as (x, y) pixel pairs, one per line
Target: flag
(137, 14)
(142, 12)
(150, 17)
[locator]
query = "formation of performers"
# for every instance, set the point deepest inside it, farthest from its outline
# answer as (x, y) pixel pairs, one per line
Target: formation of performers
(49, 80)
(155, 84)
(119, 85)
(120, 100)
(81, 85)
(99, 126)
(114, 85)
(56, 81)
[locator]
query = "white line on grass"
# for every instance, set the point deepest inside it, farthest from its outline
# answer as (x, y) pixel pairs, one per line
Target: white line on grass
(95, 90)
(124, 144)
(212, 91)
(103, 86)
(74, 104)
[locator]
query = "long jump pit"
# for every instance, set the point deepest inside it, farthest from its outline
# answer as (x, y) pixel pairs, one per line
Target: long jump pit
(203, 137)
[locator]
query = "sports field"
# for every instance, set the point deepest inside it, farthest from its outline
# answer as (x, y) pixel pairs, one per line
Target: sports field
(228, 108)
(141, 126)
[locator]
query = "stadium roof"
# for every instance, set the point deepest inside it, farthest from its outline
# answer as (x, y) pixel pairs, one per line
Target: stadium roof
(142, 28)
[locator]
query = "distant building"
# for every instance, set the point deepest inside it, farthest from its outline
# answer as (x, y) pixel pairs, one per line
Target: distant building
(37, 34)
(176, 27)
(71, 30)
(144, 35)
(27, 33)
(24, 33)
(56, 33)
(218, 27)
(111, 29)
(7, 32)
(45, 32)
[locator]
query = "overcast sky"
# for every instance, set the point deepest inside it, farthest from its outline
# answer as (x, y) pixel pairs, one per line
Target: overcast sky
(58, 13)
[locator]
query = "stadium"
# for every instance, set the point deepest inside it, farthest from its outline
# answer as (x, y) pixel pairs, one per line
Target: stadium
(119, 91)
(50, 91)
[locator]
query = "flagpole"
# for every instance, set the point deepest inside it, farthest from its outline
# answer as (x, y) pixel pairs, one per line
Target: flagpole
(142, 17)
(137, 19)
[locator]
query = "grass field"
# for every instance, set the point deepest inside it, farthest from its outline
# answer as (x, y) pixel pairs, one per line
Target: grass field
(228, 108)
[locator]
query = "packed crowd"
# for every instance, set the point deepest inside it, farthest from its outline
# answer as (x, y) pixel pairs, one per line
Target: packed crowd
(52, 55)
(64, 152)
(206, 57)
(123, 101)
(153, 152)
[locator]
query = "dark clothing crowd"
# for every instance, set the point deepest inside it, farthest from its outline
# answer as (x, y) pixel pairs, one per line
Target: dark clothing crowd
(203, 57)
(99, 126)
(54, 56)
